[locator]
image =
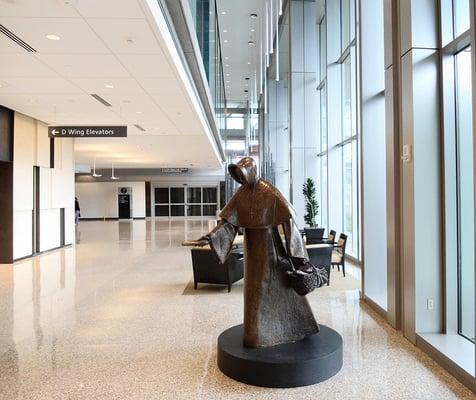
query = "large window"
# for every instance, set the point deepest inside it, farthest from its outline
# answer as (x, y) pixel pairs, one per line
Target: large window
(465, 190)
(458, 167)
(322, 142)
(338, 166)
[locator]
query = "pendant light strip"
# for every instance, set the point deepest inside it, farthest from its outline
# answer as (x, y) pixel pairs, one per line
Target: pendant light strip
(271, 27)
(277, 46)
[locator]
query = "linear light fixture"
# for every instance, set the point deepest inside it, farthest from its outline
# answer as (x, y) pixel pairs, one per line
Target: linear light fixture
(101, 100)
(8, 33)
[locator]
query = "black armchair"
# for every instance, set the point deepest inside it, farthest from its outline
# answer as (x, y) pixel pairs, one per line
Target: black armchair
(321, 256)
(207, 269)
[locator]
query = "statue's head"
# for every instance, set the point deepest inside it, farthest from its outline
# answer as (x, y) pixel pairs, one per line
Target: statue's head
(244, 171)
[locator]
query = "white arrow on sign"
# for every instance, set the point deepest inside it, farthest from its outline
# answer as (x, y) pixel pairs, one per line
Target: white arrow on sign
(54, 132)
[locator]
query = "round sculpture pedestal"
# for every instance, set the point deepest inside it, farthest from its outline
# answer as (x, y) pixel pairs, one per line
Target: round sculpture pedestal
(302, 363)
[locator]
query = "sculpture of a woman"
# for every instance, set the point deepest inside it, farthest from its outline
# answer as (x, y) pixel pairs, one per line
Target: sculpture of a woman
(273, 313)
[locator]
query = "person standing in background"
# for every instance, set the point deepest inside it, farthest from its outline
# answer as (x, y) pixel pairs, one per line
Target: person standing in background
(77, 211)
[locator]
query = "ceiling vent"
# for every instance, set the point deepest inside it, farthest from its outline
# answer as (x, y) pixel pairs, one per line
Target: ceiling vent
(139, 127)
(101, 100)
(16, 39)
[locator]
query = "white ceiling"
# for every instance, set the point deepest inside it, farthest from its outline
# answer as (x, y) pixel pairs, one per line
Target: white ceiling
(102, 42)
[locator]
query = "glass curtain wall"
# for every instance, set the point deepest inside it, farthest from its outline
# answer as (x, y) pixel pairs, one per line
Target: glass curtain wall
(208, 35)
(459, 165)
(273, 119)
(339, 184)
(277, 140)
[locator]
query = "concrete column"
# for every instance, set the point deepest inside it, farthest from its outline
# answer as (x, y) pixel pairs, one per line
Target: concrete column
(421, 191)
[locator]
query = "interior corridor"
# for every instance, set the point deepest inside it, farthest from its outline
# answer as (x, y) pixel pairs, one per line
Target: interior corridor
(116, 317)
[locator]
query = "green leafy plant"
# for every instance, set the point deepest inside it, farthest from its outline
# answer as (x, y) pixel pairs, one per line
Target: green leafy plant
(309, 192)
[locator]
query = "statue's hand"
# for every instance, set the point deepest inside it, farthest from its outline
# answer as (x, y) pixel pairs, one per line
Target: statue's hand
(203, 241)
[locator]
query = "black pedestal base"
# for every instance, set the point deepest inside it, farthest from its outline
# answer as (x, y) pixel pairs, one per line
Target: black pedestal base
(302, 363)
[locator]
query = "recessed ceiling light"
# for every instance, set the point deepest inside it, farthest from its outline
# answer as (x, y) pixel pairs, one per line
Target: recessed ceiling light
(223, 13)
(252, 29)
(227, 74)
(227, 65)
(225, 30)
(253, 15)
(249, 62)
(251, 43)
(109, 86)
(226, 41)
(226, 58)
(52, 37)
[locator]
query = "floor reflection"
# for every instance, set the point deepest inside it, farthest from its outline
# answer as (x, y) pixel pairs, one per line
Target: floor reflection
(112, 318)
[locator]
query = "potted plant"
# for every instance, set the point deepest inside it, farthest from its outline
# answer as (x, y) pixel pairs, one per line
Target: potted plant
(313, 233)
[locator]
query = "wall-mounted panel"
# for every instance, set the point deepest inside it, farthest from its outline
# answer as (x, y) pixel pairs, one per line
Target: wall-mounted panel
(24, 156)
(6, 212)
(6, 134)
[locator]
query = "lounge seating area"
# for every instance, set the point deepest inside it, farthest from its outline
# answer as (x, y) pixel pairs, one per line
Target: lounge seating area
(324, 251)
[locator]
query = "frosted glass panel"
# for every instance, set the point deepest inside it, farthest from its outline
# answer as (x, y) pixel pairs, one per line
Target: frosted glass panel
(464, 139)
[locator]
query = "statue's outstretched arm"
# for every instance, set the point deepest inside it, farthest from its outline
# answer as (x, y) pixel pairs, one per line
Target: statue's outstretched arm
(220, 239)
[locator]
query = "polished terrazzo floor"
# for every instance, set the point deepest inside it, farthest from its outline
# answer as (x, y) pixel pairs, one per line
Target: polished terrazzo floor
(116, 317)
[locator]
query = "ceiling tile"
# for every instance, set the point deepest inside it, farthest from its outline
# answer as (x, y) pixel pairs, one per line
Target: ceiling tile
(108, 8)
(85, 65)
(123, 86)
(160, 85)
(23, 65)
(54, 85)
(37, 8)
(75, 35)
(126, 36)
(147, 65)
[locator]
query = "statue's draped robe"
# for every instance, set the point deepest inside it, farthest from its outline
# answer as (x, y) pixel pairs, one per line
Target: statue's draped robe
(274, 313)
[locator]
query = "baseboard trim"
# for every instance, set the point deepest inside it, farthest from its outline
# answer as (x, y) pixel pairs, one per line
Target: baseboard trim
(100, 219)
(42, 253)
(138, 218)
(374, 306)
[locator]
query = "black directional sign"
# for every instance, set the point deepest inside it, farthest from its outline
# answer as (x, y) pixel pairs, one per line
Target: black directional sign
(87, 131)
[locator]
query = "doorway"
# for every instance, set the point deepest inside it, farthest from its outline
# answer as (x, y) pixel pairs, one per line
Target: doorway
(124, 201)
(36, 210)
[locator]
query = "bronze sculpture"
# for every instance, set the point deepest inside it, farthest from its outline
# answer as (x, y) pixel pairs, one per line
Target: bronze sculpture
(273, 312)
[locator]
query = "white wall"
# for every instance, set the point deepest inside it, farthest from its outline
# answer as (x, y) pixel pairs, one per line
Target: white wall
(99, 199)
(32, 148)
(374, 199)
